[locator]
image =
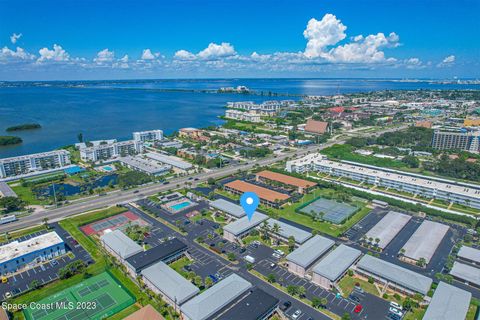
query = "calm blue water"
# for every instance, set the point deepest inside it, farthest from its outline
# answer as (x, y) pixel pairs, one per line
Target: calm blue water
(70, 190)
(105, 110)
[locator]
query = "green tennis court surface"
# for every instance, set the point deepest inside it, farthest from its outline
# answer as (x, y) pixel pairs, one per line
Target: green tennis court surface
(95, 298)
(329, 210)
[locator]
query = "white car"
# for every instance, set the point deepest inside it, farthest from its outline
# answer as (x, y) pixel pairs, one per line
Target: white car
(296, 314)
(395, 305)
(280, 252)
(395, 311)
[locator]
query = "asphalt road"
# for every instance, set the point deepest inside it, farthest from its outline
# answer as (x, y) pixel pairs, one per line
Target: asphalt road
(125, 196)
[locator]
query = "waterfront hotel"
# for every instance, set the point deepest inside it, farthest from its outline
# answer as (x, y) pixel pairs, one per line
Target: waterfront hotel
(428, 187)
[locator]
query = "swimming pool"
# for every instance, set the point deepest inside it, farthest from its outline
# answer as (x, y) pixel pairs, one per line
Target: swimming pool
(180, 206)
(107, 168)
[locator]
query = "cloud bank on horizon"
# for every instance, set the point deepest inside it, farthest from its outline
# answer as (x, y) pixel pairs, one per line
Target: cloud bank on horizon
(327, 47)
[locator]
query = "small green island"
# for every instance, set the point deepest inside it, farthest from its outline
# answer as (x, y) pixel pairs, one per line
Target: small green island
(9, 140)
(25, 126)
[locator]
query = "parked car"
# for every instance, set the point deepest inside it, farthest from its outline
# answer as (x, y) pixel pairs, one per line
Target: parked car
(54, 262)
(273, 265)
(354, 298)
(393, 316)
(395, 311)
(296, 314)
(358, 308)
(358, 289)
(285, 305)
(395, 305)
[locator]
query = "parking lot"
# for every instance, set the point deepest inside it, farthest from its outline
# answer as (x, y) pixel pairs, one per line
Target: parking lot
(47, 271)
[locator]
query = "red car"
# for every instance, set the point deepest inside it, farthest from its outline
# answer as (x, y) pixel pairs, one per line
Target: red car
(358, 308)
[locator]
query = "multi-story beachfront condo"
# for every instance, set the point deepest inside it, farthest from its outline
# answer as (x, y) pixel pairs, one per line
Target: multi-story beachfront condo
(15, 166)
(463, 139)
(243, 116)
(265, 108)
(111, 150)
(150, 135)
(428, 187)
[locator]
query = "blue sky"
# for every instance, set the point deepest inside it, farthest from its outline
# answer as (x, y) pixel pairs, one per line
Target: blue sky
(49, 40)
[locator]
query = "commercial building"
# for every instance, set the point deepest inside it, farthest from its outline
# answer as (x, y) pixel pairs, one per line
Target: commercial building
(16, 166)
(215, 298)
(300, 185)
(387, 228)
(317, 127)
(17, 254)
(466, 273)
(395, 277)
(230, 208)
(166, 251)
(424, 242)
(469, 254)
(463, 139)
(109, 151)
(242, 115)
(150, 135)
(173, 161)
(193, 133)
(267, 197)
(332, 268)
(166, 282)
(119, 245)
(238, 229)
(428, 187)
(448, 303)
(255, 305)
(147, 166)
(285, 231)
(302, 258)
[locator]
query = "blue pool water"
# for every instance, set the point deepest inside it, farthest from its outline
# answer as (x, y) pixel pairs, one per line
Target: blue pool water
(180, 206)
(107, 168)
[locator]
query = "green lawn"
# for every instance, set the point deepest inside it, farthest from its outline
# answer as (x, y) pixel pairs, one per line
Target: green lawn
(21, 233)
(179, 264)
(27, 195)
(288, 212)
(348, 282)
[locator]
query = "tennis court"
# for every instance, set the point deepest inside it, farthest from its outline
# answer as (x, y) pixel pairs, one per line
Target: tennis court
(331, 211)
(116, 222)
(96, 298)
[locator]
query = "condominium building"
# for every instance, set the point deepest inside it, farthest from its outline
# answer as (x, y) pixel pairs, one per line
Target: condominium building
(111, 150)
(265, 108)
(463, 139)
(242, 115)
(428, 187)
(15, 166)
(151, 135)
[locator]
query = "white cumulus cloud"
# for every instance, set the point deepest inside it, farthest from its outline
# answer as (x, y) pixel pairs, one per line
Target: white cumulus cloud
(104, 56)
(14, 37)
(321, 34)
(148, 55)
(212, 52)
(7, 54)
(57, 54)
(449, 59)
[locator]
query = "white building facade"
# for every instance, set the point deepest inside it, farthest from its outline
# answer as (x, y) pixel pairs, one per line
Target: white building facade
(15, 166)
(111, 150)
(150, 135)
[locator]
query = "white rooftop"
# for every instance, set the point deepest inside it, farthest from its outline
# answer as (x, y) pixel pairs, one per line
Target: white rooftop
(244, 224)
(228, 207)
(17, 248)
(310, 251)
(120, 243)
(425, 240)
(173, 161)
(170, 283)
(466, 272)
(286, 230)
(387, 228)
(337, 262)
(215, 298)
(469, 253)
(448, 303)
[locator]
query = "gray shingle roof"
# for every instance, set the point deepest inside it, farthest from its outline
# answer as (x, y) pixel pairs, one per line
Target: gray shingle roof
(448, 303)
(337, 262)
(425, 240)
(212, 300)
(310, 251)
(466, 272)
(121, 244)
(170, 283)
(287, 230)
(228, 207)
(393, 273)
(243, 224)
(469, 253)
